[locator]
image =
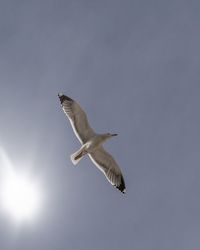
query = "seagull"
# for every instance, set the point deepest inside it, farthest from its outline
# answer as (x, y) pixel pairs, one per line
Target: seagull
(91, 143)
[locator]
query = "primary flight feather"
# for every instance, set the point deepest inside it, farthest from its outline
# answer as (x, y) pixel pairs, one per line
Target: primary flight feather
(91, 143)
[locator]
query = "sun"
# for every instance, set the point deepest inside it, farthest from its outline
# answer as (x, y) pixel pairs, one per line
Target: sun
(20, 195)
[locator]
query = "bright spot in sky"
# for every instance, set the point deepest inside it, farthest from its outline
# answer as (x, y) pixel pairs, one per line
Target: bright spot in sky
(20, 196)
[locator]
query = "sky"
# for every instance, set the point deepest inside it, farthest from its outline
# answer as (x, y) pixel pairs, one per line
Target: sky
(133, 65)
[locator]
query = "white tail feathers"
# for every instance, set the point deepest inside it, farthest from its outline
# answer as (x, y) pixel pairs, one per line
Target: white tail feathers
(77, 156)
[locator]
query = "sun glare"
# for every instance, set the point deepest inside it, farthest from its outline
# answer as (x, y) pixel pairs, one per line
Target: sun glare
(20, 196)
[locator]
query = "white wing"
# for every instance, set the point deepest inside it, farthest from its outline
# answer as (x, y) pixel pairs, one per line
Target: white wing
(107, 164)
(77, 117)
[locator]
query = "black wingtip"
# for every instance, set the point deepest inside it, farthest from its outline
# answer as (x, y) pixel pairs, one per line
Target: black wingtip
(122, 186)
(64, 97)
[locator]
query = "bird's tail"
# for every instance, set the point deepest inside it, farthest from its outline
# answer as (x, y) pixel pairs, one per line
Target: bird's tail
(77, 156)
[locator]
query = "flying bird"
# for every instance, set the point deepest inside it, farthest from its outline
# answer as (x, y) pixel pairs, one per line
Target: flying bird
(91, 143)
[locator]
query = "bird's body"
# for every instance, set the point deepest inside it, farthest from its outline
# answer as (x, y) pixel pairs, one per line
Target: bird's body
(95, 142)
(90, 146)
(91, 143)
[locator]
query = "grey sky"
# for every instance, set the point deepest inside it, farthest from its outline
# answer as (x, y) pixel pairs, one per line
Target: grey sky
(134, 67)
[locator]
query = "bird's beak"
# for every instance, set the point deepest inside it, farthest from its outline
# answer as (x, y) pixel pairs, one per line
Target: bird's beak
(114, 134)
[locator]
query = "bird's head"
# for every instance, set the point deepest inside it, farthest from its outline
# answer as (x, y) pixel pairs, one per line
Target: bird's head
(109, 135)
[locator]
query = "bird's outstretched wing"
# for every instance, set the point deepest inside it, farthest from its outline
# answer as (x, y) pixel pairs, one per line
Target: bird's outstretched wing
(77, 117)
(107, 164)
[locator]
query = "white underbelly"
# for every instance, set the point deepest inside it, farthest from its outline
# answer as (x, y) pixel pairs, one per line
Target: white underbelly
(92, 145)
